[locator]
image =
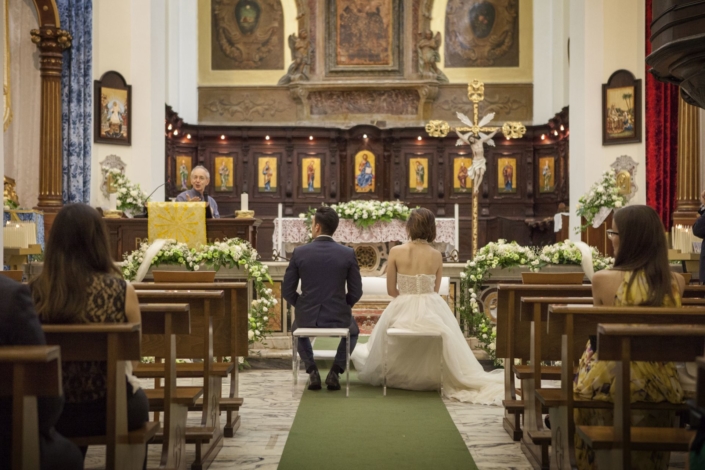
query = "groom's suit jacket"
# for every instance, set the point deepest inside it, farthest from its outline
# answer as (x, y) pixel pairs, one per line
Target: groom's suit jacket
(324, 268)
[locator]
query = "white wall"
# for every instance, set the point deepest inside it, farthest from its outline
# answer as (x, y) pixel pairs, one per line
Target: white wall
(551, 23)
(140, 56)
(182, 58)
(605, 36)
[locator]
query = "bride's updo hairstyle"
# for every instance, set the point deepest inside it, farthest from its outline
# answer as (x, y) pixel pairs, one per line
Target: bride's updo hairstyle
(421, 225)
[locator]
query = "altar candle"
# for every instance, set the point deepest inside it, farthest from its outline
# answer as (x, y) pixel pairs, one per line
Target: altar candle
(14, 237)
(280, 215)
(243, 202)
(457, 227)
(113, 202)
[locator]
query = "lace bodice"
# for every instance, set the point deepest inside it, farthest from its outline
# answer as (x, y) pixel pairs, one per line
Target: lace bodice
(417, 284)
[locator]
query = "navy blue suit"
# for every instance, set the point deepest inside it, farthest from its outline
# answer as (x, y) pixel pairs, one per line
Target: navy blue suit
(324, 268)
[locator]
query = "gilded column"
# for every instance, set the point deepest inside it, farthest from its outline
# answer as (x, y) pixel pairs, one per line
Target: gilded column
(51, 43)
(688, 193)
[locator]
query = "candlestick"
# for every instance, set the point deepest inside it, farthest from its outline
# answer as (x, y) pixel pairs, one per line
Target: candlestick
(244, 202)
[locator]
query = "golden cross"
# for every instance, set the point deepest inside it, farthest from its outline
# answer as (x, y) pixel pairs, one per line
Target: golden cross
(476, 93)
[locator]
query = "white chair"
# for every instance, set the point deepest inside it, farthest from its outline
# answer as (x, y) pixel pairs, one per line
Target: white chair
(402, 332)
(324, 333)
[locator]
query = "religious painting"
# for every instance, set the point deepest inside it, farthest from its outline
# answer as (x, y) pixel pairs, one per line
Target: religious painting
(183, 173)
(363, 36)
(311, 175)
(365, 172)
(247, 35)
(267, 174)
(507, 175)
(418, 175)
(547, 174)
(462, 183)
(113, 105)
(223, 172)
(621, 109)
(482, 33)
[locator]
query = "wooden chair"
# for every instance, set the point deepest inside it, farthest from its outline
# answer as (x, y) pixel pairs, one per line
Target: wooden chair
(113, 343)
(229, 340)
(204, 306)
(28, 372)
(573, 325)
(623, 344)
(166, 321)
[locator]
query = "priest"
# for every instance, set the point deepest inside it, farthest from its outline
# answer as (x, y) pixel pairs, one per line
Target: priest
(200, 177)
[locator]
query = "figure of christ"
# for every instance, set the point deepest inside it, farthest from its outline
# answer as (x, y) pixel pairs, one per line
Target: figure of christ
(420, 173)
(463, 176)
(224, 173)
(476, 143)
(311, 175)
(267, 172)
(115, 120)
(365, 176)
(508, 173)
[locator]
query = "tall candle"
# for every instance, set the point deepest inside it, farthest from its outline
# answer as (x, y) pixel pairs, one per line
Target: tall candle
(280, 221)
(243, 202)
(14, 237)
(457, 227)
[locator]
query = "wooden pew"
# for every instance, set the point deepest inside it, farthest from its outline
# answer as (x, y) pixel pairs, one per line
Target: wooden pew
(113, 343)
(204, 306)
(513, 343)
(167, 320)
(574, 324)
(623, 344)
(28, 372)
(229, 340)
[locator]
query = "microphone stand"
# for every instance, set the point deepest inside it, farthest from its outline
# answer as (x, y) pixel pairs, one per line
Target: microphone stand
(144, 214)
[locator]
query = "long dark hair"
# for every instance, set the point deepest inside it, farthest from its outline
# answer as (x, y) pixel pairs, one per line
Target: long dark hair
(77, 248)
(643, 247)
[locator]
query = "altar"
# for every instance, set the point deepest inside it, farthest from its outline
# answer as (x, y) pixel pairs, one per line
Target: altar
(371, 244)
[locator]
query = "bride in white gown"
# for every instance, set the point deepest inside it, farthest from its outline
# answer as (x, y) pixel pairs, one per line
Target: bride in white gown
(414, 273)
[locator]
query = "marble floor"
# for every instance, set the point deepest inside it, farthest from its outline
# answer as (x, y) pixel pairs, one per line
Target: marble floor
(271, 401)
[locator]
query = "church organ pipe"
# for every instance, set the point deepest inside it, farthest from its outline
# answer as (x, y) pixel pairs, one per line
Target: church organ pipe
(688, 193)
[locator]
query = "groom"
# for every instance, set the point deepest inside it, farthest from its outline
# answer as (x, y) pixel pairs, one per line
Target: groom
(324, 268)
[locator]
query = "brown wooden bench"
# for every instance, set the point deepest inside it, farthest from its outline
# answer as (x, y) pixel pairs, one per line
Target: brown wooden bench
(229, 340)
(573, 325)
(114, 344)
(623, 344)
(28, 372)
(168, 320)
(204, 306)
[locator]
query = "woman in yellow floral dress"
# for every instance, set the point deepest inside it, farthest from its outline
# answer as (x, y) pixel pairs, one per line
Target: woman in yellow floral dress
(641, 276)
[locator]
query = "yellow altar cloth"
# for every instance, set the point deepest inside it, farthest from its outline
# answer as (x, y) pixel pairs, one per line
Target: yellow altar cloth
(181, 221)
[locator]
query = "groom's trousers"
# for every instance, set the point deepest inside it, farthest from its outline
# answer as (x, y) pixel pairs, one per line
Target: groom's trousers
(306, 350)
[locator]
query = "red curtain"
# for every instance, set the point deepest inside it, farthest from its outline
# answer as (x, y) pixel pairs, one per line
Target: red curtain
(661, 139)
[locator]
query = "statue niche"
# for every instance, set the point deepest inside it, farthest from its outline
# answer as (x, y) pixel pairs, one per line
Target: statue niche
(247, 35)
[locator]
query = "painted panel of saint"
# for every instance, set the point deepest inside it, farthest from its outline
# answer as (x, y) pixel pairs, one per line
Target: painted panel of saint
(267, 174)
(462, 183)
(620, 113)
(364, 32)
(418, 175)
(547, 174)
(224, 174)
(507, 175)
(114, 113)
(365, 172)
(183, 173)
(311, 175)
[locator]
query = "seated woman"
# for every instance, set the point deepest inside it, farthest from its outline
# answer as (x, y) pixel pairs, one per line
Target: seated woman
(80, 283)
(641, 276)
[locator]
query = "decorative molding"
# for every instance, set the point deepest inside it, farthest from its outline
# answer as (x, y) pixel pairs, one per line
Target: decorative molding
(110, 162)
(393, 102)
(246, 108)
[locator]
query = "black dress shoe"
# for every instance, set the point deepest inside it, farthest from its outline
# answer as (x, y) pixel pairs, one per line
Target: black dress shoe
(314, 380)
(332, 381)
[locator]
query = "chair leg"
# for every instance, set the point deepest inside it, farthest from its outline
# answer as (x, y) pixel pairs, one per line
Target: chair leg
(295, 358)
(441, 385)
(347, 367)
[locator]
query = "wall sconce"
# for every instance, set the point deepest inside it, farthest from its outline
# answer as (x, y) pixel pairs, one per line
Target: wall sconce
(419, 138)
(562, 128)
(543, 136)
(266, 137)
(310, 137)
(176, 132)
(188, 136)
(169, 128)
(364, 136)
(222, 137)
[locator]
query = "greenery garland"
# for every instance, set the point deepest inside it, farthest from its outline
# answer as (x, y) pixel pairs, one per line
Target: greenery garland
(365, 213)
(509, 255)
(230, 253)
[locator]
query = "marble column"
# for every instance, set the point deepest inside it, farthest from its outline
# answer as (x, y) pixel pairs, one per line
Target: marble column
(688, 193)
(51, 42)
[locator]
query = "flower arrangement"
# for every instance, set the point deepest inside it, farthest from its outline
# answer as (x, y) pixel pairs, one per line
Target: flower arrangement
(600, 200)
(230, 253)
(509, 255)
(130, 196)
(365, 213)
(8, 204)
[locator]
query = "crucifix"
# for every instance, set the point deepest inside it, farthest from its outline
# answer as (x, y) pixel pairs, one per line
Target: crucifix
(476, 134)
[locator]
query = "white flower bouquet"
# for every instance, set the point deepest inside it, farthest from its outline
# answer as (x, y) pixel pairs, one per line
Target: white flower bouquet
(567, 253)
(603, 196)
(366, 213)
(130, 196)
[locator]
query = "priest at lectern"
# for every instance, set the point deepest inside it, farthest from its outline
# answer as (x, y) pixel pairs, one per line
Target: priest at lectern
(200, 177)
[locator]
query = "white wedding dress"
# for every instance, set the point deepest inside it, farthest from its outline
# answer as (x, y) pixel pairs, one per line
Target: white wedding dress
(414, 363)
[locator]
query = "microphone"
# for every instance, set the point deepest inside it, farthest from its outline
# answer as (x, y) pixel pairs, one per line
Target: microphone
(168, 181)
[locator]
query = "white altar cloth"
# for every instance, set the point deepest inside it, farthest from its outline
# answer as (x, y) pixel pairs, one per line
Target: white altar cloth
(294, 230)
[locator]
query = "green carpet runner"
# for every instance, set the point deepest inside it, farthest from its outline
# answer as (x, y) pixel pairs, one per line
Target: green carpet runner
(404, 430)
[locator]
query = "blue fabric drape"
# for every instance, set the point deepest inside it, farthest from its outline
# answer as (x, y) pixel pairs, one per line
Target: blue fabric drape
(76, 89)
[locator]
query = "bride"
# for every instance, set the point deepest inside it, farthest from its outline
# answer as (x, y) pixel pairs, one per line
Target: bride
(414, 273)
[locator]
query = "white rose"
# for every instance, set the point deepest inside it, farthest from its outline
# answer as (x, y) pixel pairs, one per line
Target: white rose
(492, 346)
(265, 318)
(617, 203)
(250, 334)
(265, 309)
(463, 275)
(196, 268)
(302, 216)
